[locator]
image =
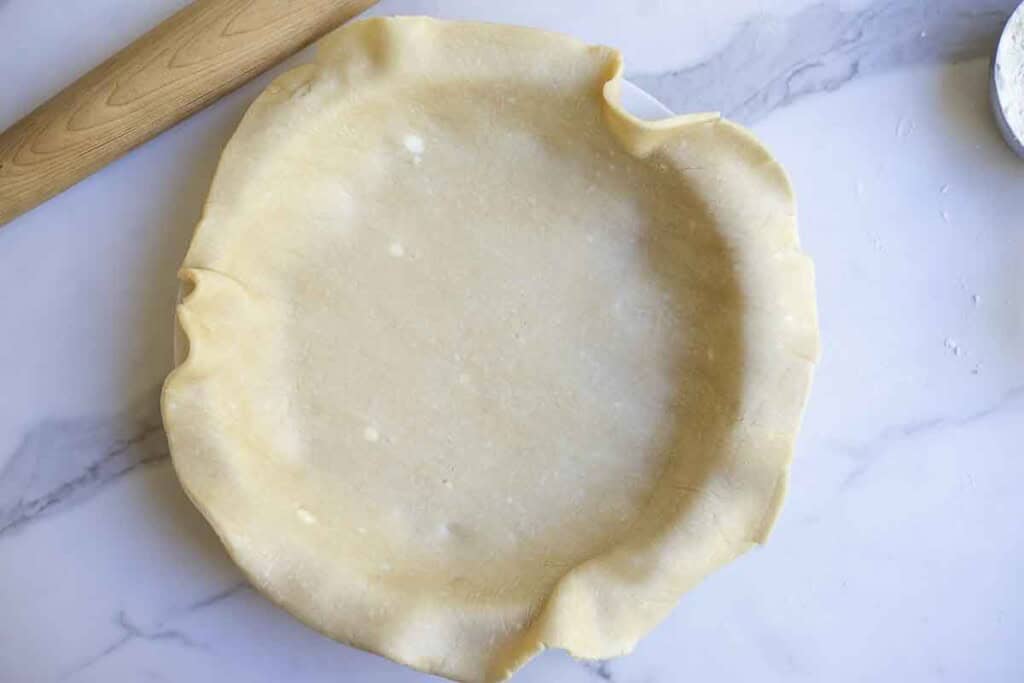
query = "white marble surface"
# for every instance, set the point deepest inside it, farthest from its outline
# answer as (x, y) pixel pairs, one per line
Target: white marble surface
(898, 554)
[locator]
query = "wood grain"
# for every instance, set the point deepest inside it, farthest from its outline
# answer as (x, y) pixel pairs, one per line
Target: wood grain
(199, 54)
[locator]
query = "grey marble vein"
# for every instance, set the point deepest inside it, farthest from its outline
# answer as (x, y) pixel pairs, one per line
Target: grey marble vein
(130, 631)
(865, 453)
(218, 597)
(600, 668)
(63, 462)
(773, 61)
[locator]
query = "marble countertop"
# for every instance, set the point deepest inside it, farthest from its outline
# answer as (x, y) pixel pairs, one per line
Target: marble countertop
(899, 551)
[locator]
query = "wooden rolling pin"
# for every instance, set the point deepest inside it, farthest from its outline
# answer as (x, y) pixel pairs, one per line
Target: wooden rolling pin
(204, 51)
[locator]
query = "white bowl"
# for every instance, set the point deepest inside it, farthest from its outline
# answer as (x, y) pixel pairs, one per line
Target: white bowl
(1000, 85)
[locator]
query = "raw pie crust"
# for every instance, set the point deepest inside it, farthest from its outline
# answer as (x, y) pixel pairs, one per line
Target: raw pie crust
(477, 362)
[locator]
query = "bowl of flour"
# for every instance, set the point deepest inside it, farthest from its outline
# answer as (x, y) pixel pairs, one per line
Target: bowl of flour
(1008, 81)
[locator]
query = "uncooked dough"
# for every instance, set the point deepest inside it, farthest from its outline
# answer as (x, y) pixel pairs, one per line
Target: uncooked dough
(478, 363)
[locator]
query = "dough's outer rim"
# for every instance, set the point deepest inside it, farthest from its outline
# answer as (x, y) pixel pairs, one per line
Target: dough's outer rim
(559, 620)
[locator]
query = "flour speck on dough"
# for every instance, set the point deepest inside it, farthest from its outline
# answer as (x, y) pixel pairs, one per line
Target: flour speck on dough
(371, 434)
(413, 143)
(396, 249)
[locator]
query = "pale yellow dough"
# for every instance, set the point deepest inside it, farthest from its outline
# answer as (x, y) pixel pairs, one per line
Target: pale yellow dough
(479, 364)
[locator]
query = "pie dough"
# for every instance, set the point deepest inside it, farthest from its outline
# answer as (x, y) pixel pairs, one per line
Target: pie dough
(477, 362)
